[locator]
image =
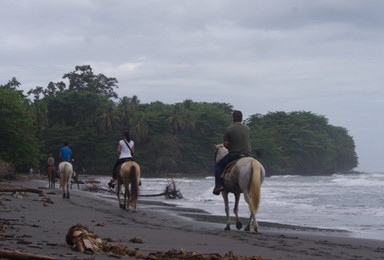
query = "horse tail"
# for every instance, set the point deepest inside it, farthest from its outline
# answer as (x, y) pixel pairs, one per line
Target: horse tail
(134, 182)
(66, 172)
(255, 187)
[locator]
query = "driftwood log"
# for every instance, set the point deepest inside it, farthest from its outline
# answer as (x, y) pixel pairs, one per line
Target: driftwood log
(8, 254)
(11, 188)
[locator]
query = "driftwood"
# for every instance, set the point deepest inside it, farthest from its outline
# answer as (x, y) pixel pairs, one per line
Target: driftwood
(82, 239)
(10, 188)
(22, 255)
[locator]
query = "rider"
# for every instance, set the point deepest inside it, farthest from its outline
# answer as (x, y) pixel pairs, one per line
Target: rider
(237, 141)
(50, 161)
(65, 153)
(125, 151)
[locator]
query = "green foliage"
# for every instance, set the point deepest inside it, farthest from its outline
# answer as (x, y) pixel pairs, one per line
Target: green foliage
(301, 143)
(168, 137)
(17, 137)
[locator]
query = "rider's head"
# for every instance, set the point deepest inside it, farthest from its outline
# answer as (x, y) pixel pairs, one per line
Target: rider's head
(66, 144)
(127, 136)
(237, 116)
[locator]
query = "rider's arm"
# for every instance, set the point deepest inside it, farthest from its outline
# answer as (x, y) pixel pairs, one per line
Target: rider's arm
(118, 150)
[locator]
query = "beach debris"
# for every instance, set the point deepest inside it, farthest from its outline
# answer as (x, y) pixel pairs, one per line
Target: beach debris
(136, 240)
(182, 254)
(12, 188)
(9, 254)
(47, 200)
(170, 191)
(18, 195)
(80, 238)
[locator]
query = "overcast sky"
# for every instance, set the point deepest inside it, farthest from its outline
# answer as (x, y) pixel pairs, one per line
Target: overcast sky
(326, 57)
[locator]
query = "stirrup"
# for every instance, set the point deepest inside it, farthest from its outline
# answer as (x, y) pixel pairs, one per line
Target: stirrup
(111, 184)
(217, 190)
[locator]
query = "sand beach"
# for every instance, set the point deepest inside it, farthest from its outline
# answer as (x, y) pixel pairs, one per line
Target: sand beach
(37, 221)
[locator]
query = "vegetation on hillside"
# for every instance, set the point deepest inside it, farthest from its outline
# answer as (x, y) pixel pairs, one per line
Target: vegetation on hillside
(168, 137)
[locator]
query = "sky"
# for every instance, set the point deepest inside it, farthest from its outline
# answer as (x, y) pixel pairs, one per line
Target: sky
(325, 57)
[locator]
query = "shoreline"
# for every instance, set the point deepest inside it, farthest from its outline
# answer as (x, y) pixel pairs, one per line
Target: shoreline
(31, 224)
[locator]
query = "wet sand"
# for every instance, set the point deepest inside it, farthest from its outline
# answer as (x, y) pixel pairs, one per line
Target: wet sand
(38, 224)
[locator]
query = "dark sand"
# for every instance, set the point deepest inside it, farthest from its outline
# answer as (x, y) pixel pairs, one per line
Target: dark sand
(31, 224)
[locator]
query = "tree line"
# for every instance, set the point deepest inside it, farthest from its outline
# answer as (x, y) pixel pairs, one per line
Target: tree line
(169, 138)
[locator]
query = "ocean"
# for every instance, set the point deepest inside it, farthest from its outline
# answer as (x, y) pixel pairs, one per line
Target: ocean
(347, 202)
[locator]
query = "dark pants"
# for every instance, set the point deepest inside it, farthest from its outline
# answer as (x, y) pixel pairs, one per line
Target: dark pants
(220, 167)
(117, 164)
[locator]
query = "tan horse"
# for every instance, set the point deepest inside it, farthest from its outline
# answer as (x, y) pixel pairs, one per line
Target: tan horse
(129, 175)
(51, 176)
(246, 176)
(66, 172)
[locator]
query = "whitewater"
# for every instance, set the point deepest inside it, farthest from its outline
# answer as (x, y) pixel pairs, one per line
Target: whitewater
(348, 202)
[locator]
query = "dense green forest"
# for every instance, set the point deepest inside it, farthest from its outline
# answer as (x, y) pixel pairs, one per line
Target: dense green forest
(169, 138)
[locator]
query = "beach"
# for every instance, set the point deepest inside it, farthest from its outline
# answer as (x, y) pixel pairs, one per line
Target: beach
(38, 223)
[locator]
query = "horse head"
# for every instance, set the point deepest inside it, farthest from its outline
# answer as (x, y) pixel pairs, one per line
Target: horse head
(220, 152)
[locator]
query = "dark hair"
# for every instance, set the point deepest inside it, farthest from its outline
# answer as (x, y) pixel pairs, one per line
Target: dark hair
(126, 134)
(237, 116)
(66, 144)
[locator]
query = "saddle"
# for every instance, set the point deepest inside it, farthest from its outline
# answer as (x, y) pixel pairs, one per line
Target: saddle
(229, 167)
(225, 175)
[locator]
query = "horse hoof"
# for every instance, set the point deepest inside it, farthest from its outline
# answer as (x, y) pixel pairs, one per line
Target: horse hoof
(247, 229)
(239, 225)
(121, 206)
(227, 228)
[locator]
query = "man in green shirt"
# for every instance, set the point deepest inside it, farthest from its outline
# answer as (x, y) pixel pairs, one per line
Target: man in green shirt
(237, 141)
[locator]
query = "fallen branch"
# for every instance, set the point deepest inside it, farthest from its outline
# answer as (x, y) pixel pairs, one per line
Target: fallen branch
(152, 195)
(10, 188)
(22, 255)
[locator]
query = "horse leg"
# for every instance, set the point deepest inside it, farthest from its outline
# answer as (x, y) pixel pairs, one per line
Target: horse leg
(252, 217)
(62, 184)
(68, 190)
(118, 194)
(125, 199)
(134, 196)
(226, 205)
(236, 211)
(128, 195)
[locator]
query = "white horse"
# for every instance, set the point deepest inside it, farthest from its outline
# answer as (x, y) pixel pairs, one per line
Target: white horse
(66, 172)
(129, 175)
(246, 176)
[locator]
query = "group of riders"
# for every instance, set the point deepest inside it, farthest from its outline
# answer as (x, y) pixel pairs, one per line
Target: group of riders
(65, 155)
(236, 139)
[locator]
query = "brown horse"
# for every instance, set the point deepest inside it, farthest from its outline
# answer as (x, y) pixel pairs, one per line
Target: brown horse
(246, 176)
(51, 176)
(129, 175)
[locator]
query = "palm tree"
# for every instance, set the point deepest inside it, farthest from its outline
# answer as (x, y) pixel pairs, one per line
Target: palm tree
(140, 127)
(126, 108)
(109, 119)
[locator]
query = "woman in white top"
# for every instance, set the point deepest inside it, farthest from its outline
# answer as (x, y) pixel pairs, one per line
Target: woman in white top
(125, 151)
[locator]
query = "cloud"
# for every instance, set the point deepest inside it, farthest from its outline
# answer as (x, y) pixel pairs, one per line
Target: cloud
(320, 56)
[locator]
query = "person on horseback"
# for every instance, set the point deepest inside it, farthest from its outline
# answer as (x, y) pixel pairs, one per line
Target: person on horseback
(237, 141)
(125, 151)
(65, 153)
(50, 161)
